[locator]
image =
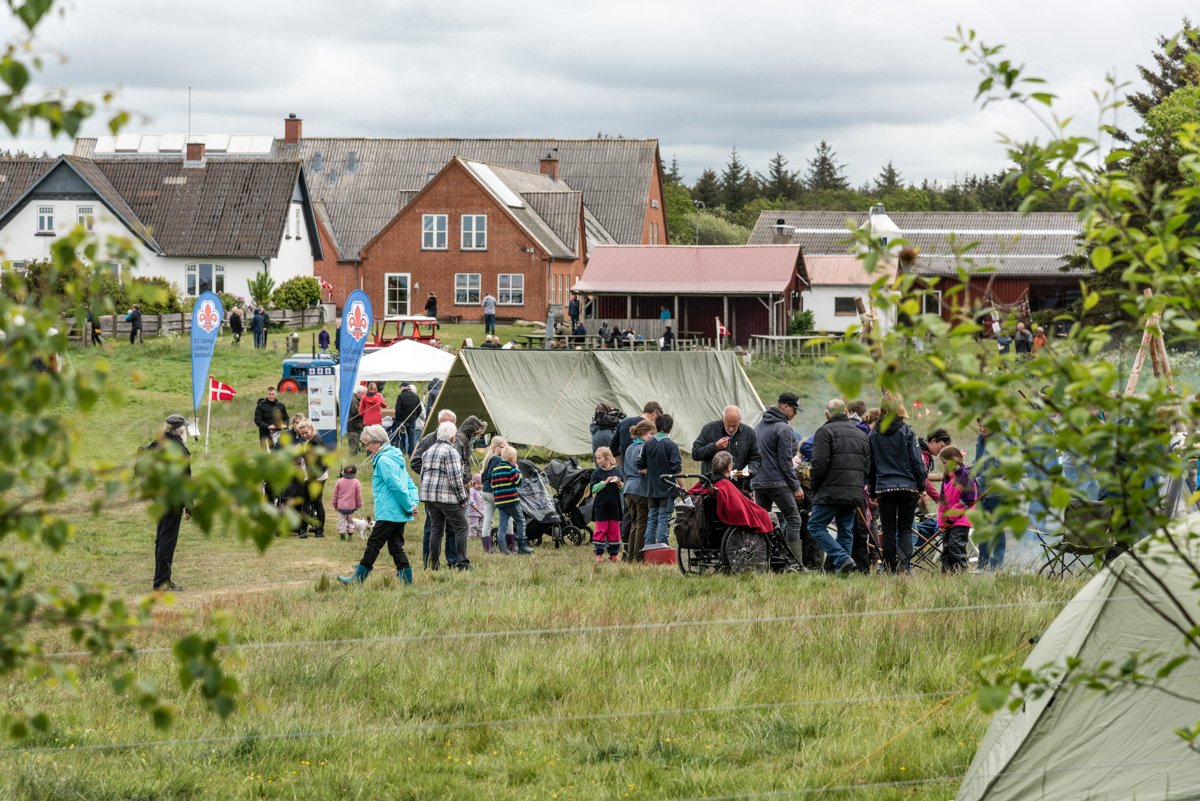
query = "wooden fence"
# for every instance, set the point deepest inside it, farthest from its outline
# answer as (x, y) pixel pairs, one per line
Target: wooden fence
(154, 325)
(651, 329)
(791, 346)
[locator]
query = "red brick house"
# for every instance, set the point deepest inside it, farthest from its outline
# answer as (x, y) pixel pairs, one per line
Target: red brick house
(476, 229)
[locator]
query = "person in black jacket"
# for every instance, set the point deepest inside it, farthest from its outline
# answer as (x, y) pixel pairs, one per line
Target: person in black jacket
(776, 481)
(659, 457)
(729, 435)
(166, 536)
(236, 325)
(135, 324)
(621, 437)
(408, 412)
(896, 477)
(840, 465)
(270, 415)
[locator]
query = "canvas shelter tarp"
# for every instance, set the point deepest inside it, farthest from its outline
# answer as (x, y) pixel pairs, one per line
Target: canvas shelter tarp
(1076, 743)
(547, 398)
(406, 360)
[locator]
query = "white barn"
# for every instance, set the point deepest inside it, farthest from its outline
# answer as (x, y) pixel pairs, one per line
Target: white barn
(199, 223)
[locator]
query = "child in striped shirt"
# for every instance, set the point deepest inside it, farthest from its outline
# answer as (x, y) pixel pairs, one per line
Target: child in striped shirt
(505, 480)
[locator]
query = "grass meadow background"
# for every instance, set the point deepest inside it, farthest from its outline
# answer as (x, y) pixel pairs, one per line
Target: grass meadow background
(524, 679)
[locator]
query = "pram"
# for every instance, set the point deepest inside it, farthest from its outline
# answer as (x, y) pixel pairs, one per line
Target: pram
(706, 544)
(537, 504)
(572, 499)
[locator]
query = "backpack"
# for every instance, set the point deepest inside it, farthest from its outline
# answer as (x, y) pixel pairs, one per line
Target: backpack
(607, 418)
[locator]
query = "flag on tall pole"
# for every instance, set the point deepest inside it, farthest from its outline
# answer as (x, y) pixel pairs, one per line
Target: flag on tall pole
(356, 324)
(722, 332)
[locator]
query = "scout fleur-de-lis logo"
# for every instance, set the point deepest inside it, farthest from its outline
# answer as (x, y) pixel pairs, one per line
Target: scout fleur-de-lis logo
(357, 323)
(208, 318)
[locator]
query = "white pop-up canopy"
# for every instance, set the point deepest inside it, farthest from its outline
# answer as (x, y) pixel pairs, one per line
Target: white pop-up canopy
(406, 360)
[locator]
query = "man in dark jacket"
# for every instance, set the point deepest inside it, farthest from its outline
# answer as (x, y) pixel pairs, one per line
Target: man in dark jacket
(728, 434)
(258, 326)
(167, 534)
(573, 311)
(621, 438)
(408, 411)
(840, 464)
(135, 324)
(776, 481)
(271, 417)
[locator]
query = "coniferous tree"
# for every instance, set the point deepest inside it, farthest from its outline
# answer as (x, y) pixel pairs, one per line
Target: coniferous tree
(673, 176)
(707, 189)
(737, 184)
(889, 179)
(1174, 70)
(824, 172)
(779, 183)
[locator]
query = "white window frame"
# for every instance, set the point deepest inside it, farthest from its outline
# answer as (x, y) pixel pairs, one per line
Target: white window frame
(45, 220)
(653, 233)
(299, 221)
(934, 295)
(433, 237)
(463, 283)
(86, 217)
(516, 285)
(390, 310)
(192, 278)
(476, 237)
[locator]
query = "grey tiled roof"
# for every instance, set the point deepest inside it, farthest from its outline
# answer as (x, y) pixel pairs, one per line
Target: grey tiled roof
(1008, 243)
(561, 212)
(17, 175)
(359, 179)
(594, 231)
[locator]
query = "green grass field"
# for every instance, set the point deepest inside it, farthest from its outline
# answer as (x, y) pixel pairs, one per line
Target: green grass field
(541, 678)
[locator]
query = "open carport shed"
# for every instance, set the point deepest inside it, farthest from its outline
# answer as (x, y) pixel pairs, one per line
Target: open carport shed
(546, 398)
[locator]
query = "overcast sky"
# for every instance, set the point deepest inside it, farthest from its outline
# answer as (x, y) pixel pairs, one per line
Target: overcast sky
(875, 79)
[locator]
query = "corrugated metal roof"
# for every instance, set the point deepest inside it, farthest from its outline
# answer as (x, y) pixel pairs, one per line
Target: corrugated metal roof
(1009, 243)
(842, 271)
(594, 231)
(691, 270)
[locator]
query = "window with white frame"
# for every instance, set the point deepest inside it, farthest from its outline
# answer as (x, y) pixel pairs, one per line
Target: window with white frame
(932, 303)
(433, 231)
(474, 232)
(396, 294)
(844, 307)
(205, 277)
(86, 217)
(466, 289)
(510, 289)
(45, 219)
(299, 221)
(653, 233)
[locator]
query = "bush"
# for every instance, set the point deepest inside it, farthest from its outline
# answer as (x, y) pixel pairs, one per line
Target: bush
(109, 294)
(802, 323)
(297, 293)
(231, 302)
(261, 286)
(155, 294)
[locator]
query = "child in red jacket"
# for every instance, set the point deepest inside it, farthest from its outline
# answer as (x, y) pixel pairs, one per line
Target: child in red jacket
(957, 499)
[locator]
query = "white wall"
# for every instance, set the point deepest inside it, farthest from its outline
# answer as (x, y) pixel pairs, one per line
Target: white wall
(19, 242)
(821, 300)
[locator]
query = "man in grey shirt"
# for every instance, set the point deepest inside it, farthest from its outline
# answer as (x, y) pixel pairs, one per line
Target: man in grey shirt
(489, 314)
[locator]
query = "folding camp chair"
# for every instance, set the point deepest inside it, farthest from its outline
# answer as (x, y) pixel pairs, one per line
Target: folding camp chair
(1084, 543)
(927, 545)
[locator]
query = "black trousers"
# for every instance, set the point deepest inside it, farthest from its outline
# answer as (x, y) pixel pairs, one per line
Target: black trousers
(165, 539)
(896, 513)
(954, 549)
(314, 507)
(389, 533)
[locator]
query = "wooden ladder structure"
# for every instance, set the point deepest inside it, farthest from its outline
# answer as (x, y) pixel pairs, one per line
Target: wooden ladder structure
(1152, 345)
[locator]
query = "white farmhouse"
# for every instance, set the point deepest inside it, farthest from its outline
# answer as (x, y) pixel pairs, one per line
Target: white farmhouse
(201, 223)
(835, 283)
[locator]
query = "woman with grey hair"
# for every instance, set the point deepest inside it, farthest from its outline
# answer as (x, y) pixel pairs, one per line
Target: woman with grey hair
(445, 496)
(396, 502)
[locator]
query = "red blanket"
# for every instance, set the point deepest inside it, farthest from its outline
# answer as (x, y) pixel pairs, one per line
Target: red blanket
(735, 509)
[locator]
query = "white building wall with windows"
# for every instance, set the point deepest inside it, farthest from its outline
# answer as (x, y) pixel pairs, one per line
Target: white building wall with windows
(832, 307)
(20, 241)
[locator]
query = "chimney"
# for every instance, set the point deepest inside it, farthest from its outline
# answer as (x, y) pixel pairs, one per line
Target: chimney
(549, 164)
(194, 155)
(291, 130)
(782, 232)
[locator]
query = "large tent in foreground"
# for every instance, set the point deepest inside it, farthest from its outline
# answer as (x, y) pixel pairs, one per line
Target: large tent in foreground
(1076, 743)
(546, 398)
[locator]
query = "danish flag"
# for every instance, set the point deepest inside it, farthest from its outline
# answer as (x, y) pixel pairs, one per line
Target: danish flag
(220, 391)
(722, 331)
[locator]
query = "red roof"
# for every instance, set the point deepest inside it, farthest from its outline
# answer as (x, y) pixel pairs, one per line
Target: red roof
(844, 271)
(690, 270)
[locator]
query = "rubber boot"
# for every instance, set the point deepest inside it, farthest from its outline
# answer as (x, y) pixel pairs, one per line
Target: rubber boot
(797, 548)
(360, 575)
(487, 544)
(511, 541)
(405, 575)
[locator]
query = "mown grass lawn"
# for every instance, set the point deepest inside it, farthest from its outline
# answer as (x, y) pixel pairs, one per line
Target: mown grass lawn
(524, 679)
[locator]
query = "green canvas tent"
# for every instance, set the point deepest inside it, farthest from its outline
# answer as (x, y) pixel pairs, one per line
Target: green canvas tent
(1076, 743)
(546, 398)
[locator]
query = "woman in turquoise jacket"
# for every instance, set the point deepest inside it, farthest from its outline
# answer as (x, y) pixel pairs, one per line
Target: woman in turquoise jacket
(396, 499)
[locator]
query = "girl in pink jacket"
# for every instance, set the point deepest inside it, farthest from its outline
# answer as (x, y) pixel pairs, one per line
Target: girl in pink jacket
(347, 499)
(957, 499)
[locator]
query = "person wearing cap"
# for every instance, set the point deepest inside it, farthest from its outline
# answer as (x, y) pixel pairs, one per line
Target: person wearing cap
(776, 482)
(166, 535)
(840, 465)
(404, 418)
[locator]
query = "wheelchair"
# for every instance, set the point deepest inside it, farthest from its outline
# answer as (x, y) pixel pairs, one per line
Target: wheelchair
(705, 544)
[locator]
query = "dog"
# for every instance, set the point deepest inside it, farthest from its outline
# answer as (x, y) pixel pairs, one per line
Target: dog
(363, 527)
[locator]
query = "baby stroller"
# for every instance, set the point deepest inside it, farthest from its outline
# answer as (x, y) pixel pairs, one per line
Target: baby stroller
(537, 504)
(709, 545)
(571, 499)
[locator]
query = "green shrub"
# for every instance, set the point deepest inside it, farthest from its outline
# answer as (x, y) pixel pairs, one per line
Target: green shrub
(155, 294)
(297, 293)
(107, 292)
(261, 286)
(802, 323)
(230, 301)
